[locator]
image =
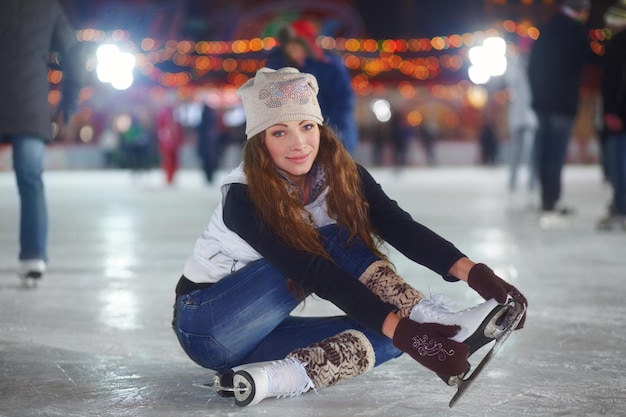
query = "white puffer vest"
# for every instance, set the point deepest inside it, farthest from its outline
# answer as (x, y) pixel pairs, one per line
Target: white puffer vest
(219, 251)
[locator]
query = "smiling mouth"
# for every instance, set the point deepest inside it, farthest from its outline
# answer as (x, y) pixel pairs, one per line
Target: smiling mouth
(299, 158)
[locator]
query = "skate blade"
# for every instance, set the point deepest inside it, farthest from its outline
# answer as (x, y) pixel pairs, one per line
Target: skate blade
(218, 387)
(504, 320)
(510, 322)
(28, 281)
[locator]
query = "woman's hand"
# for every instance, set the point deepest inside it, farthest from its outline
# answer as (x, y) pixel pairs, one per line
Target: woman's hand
(486, 283)
(430, 345)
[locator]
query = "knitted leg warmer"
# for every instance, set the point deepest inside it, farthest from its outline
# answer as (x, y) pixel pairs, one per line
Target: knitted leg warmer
(343, 356)
(390, 287)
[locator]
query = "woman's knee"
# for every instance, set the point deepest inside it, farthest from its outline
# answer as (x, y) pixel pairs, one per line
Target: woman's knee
(353, 256)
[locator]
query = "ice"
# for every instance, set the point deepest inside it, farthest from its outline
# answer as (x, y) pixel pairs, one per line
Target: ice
(94, 337)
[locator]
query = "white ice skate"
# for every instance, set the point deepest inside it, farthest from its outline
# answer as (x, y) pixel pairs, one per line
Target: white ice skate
(31, 271)
(479, 325)
(254, 382)
(476, 322)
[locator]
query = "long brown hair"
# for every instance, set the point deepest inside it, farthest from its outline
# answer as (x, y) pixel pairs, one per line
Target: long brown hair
(282, 209)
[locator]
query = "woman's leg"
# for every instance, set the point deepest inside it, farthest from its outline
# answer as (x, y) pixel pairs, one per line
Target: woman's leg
(259, 310)
(619, 199)
(516, 147)
(343, 356)
(244, 319)
(376, 274)
(28, 161)
(221, 325)
(353, 257)
(299, 332)
(337, 358)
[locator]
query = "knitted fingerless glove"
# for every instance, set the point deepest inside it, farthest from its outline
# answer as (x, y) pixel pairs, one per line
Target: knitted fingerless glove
(486, 283)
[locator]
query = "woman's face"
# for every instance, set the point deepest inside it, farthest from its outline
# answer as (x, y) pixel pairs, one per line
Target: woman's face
(296, 53)
(293, 146)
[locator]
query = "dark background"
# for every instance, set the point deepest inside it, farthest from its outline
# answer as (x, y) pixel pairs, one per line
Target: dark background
(225, 19)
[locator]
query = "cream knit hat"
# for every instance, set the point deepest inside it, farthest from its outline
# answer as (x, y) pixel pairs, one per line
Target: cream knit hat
(279, 96)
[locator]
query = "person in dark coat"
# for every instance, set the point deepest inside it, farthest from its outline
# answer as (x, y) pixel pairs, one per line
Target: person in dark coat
(337, 99)
(554, 70)
(209, 146)
(29, 30)
(614, 114)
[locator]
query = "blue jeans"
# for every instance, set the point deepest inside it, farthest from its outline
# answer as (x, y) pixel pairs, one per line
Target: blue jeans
(246, 316)
(615, 164)
(551, 142)
(28, 158)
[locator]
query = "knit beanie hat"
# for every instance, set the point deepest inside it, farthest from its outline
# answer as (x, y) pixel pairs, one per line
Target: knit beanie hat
(615, 16)
(577, 5)
(279, 96)
(308, 31)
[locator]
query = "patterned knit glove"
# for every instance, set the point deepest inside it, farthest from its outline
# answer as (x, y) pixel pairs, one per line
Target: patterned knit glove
(486, 283)
(429, 344)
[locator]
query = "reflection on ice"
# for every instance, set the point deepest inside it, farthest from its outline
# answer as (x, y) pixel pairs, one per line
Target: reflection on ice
(119, 309)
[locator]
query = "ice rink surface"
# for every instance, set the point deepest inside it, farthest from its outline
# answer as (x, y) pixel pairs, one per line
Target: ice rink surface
(94, 338)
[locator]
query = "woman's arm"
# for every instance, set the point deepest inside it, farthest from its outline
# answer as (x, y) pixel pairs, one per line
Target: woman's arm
(312, 273)
(461, 268)
(414, 240)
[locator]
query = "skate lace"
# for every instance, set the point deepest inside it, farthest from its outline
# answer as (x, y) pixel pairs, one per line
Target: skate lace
(287, 378)
(436, 303)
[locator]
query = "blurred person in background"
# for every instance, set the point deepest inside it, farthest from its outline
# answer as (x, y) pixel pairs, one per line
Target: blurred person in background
(109, 141)
(488, 142)
(522, 122)
(554, 69)
(401, 136)
(209, 143)
(614, 112)
(298, 48)
(137, 140)
(29, 31)
(427, 134)
(170, 137)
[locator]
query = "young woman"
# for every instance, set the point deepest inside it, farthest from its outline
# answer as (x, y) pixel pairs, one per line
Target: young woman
(300, 217)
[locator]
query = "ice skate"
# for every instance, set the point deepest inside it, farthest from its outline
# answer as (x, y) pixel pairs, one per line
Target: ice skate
(250, 384)
(336, 358)
(255, 382)
(31, 272)
(283, 378)
(612, 222)
(479, 325)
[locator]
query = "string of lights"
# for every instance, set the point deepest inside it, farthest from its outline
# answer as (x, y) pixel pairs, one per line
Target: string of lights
(175, 64)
